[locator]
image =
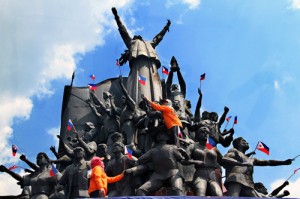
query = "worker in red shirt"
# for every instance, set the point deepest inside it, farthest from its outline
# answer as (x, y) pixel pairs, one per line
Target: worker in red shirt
(172, 122)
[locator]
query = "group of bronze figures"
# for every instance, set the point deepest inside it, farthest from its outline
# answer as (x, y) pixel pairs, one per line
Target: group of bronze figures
(159, 162)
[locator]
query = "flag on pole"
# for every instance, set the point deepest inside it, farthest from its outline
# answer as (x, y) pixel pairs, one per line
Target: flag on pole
(53, 171)
(70, 125)
(93, 77)
(210, 143)
(165, 70)
(142, 80)
(202, 77)
(180, 135)
(92, 87)
(262, 147)
(117, 62)
(128, 152)
(14, 149)
(235, 120)
(296, 170)
(12, 167)
(228, 119)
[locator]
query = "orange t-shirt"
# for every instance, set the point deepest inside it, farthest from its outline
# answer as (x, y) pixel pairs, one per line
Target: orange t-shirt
(168, 113)
(99, 179)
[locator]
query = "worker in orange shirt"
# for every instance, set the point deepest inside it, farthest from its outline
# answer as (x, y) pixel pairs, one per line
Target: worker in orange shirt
(99, 179)
(172, 122)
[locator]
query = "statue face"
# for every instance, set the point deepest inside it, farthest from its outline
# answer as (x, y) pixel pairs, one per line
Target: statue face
(118, 147)
(202, 134)
(78, 153)
(244, 144)
(205, 115)
(214, 116)
(41, 160)
(176, 104)
(102, 149)
(174, 87)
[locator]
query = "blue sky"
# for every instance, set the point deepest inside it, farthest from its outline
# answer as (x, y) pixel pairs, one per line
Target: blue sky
(249, 50)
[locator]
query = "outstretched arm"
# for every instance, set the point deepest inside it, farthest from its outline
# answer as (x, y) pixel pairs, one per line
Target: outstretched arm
(82, 143)
(181, 82)
(52, 149)
(157, 39)
(68, 151)
(31, 164)
(122, 29)
(258, 162)
(169, 83)
(11, 173)
(278, 189)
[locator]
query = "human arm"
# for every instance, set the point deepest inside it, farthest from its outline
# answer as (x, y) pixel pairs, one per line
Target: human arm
(278, 189)
(223, 117)
(258, 162)
(181, 82)
(169, 83)
(122, 29)
(84, 145)
(197, 116)
(157, 39)
(68, 151)
(31, 164)
(53, 150)
(11, 173)
(129, 100)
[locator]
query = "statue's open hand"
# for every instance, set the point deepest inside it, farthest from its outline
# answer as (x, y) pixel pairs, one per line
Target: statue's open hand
(52, 148)
(168, 23)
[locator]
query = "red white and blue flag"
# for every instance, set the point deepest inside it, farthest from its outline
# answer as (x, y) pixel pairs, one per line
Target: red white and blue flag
(180, 135)
(228, 119)
(262, 147)
(12, 167)
(210, 143)
(70, 125)
(128, 152)
(142, 80)
(165, 70)
(53, 171)
(235, 120)
(92, 87)
(93, 77)
(117, 62)
(202, 77)
(296, 170)
(14, 149)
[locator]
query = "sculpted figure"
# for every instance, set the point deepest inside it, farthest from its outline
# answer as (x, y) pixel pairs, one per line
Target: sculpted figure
(165, 159)
(128, 116)
(75, 176)
(239, 179)
(41, 182)
(103, 153)
(143, 60)
(173, 92)
(262, 190)
(118, 163)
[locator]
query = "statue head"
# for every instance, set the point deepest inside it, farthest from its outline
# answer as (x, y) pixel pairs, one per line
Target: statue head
(106, 95)
(79, 153)
(174, 87)
(118, 147)
(117, 137)
(188, 103)
(176, 104)
(205, 115)
(213, 116)
(260, 187)
(240, 143)
(88, 126)
(139, 37)
(102, 149)
(92, 146)
(202, 134)
(42, 159)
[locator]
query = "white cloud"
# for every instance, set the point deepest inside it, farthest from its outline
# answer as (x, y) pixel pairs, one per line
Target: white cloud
(8, 185)
(295, 4)
(192, 4)
(38, 42)
(276, 85)
(53, 132)
(293, 187)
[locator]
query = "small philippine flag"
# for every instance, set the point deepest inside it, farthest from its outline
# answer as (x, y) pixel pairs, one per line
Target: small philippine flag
(117, 62)
(14, 149)
(210, 143)
(128, 152)
(202, 77)
(165, 70)
(92, 87)
(262, 147)
(53, 171)
(13, 167)
(235, 120)
(70, 125)
(93, 77)
(228, 119)
(142, 80)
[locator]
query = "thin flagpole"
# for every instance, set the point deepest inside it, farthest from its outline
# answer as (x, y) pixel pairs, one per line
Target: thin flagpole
(295, 157)
(254, 149)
